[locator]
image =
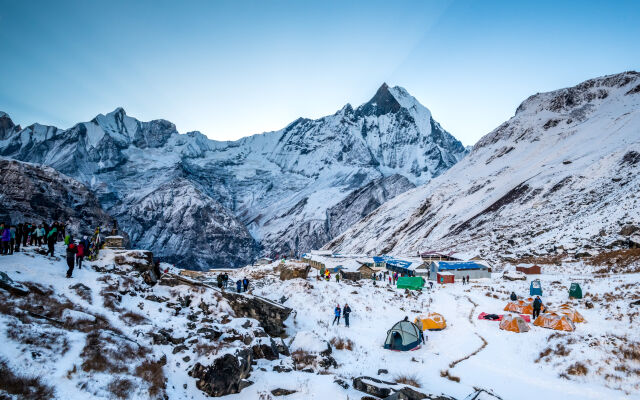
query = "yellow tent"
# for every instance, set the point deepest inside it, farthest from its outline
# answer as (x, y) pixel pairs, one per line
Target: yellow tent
(431, 322)
(514, 324)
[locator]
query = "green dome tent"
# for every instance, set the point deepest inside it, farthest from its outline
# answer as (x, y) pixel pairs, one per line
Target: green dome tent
(410, 282)
(403, 336)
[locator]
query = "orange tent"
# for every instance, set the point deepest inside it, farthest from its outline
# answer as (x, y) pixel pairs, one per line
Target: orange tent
(431, 322)
(573, 315)
(554, 321)
(520, 306)
(514, 324)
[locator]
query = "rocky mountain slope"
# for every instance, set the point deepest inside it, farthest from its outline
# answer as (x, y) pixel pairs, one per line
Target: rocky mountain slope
(279, 185)
(561, 175)
(35, 193)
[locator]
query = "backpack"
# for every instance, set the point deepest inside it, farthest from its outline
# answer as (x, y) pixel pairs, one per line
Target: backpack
(80, 250)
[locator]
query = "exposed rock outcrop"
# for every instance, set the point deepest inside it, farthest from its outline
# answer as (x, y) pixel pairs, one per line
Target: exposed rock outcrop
(225, 375)
(270, 315)
(37, 193)
(293, 271)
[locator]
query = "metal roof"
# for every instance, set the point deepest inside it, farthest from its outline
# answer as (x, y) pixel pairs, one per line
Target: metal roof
(456, 265)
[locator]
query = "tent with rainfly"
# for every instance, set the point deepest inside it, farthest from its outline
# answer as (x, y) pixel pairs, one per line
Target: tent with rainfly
(410, 282)
(554, 321)
(403, 336)
(536, 288)
(575, 291)
(514, 324)
(431, 322)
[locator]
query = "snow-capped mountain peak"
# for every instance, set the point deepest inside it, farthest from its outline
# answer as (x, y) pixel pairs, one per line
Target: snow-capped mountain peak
(279, 184)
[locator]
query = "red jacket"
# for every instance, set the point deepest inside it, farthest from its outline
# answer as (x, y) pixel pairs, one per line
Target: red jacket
(80, 250)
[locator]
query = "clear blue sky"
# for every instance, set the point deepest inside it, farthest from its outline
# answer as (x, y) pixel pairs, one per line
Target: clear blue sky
(230, 69)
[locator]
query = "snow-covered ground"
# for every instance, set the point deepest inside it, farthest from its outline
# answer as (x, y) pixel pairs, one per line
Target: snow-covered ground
(511, 364)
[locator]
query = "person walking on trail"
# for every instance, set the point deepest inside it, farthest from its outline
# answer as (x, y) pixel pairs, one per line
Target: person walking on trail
(338, 277)
(219, 279)
(537, 305)
(336, 313)
(245, 284)
(239, 285)
(18, 237)
(5, 239)
(346, 311)
(72, 250)
(225, 280)
(51, 239)
(467, 279)
(80, 255)
(12, 240)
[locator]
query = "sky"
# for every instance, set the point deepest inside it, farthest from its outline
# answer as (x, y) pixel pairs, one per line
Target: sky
(235, 68)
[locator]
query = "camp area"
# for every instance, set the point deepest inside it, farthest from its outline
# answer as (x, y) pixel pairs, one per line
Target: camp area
(388, 318)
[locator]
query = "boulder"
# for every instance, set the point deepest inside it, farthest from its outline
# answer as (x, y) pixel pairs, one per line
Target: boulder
(374, 387)
(282, 392)
(225, 376)
(270, 315)
(139, 260)
(513, 275)
(293, 271)
(264, 351)
(12, 286)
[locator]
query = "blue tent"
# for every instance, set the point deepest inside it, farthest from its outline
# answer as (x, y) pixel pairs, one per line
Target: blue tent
(535, 289)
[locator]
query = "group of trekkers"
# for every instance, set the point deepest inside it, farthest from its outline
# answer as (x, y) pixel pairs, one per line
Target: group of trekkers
(344, 312)
(28, 234)
(465, 280)
(242, 285)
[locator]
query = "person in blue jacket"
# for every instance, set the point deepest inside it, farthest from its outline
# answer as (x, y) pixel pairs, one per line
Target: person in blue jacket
(239, 286)
(336, 312)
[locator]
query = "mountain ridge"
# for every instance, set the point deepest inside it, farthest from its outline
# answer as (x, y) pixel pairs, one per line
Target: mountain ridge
(278, 184)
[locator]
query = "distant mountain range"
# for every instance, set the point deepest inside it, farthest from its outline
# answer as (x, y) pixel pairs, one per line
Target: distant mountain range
(561, 176)
(201, 203)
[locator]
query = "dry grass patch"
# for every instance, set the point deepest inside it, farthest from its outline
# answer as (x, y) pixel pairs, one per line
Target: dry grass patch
(445, 374)
(24, 387)
(120, 387)
(104, 353)
(302, 358)
(577, 368)
(411, 380)
(617, 261)
(205, 349)
(342, 344)
(132, 318)
(55, 341)
(153, 373)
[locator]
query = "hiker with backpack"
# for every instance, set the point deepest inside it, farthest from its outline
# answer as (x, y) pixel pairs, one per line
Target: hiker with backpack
(72, 250)
(336, 313)
(346, 311)
(239, 286)
(245, 284)
(537, 305)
